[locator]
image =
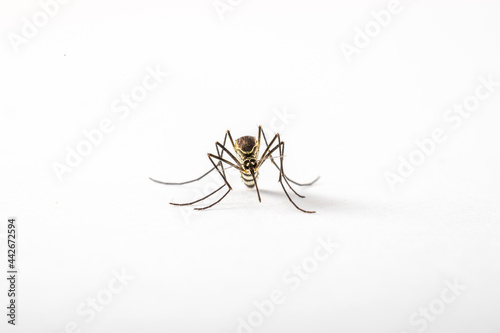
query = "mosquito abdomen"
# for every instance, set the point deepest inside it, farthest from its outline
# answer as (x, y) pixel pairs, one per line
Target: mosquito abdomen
(248, 179)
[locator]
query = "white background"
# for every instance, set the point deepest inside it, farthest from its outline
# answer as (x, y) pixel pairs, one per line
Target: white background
(351, 121)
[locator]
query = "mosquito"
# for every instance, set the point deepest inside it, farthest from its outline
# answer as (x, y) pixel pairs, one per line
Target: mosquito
(248, 163)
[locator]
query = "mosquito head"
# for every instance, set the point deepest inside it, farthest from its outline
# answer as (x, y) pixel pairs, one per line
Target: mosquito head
(250, 164)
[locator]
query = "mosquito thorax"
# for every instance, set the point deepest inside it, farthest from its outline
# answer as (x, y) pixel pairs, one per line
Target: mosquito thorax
(247, 150)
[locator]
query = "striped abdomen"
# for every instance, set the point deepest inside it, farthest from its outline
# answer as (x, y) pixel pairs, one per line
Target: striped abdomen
(247, 178)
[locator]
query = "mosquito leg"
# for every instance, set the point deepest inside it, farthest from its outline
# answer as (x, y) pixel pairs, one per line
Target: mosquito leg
(211, 157)
(230, 137)
(282, 154)
(206, 173)
(272, 160)
(202, 208)
(266, 154)
(190, 203)
(280, 146)
(305, 211)
(303, 184)
(220, 159)
(228, 134)
(260, 130)
(224, 177)
(182, 183)
(215, 166)
(281, 158)
(224, 149)
(267, 145)
(193, 202)
(221, 153)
